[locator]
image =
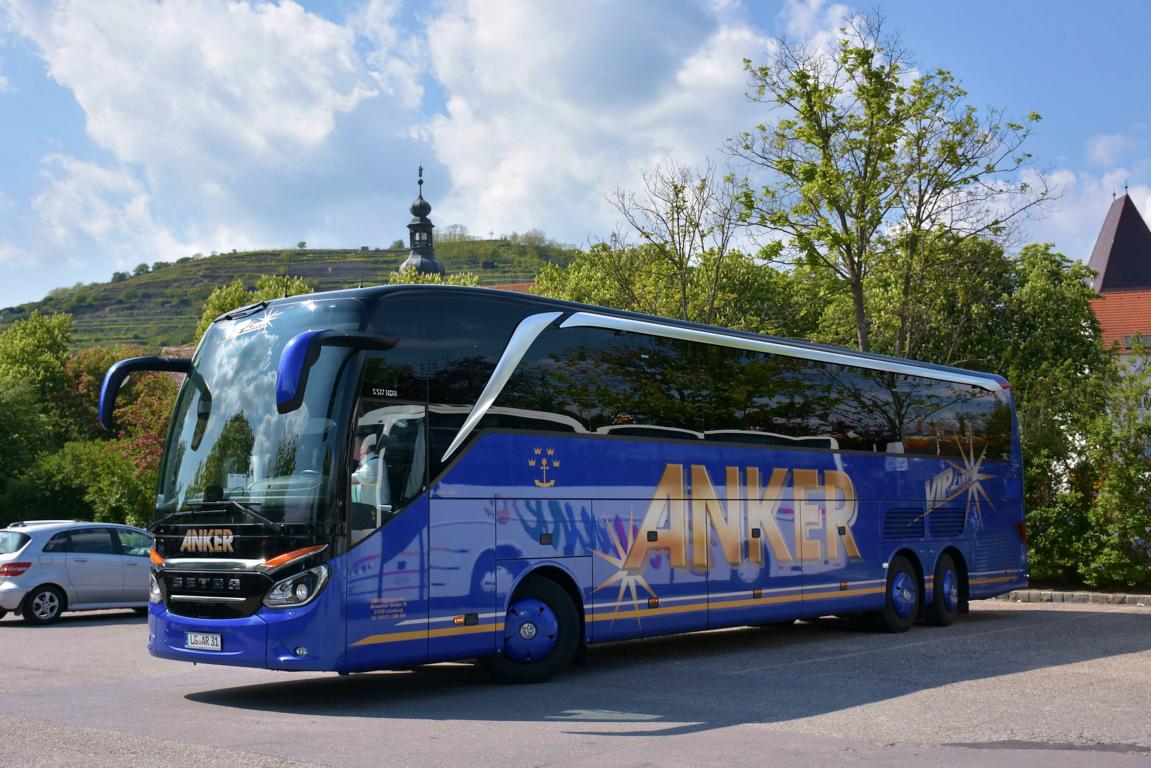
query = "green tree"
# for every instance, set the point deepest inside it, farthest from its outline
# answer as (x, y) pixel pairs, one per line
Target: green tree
(76, 402)
(410, 276)
(736, 293)
(1058, 367)
(689, 220)
(868, 158)
(24, 435)
(95, 480)
(35, 350)
(1116, 543)
(956, 310)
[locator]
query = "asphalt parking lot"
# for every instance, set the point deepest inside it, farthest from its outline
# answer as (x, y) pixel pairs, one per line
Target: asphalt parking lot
(1009, 685)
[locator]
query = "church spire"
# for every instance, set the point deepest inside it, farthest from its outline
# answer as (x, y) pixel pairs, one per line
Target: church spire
(423, 255)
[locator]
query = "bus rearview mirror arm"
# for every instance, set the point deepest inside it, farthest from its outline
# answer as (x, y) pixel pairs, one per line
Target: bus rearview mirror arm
(303, 350)
(116, 375)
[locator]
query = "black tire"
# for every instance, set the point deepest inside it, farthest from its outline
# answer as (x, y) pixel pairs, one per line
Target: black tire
(141, 611)
(43, 605)
(3, 613)
(901, 597)
(533, 647)
(945, 593)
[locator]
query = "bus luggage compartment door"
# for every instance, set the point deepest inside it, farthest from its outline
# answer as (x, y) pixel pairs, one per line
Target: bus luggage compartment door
(387, 592)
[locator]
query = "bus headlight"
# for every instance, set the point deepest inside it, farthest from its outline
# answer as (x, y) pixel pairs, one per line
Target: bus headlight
(154, 589)
(297, 590)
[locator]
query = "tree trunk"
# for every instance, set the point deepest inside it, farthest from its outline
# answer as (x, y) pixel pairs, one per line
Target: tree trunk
(860, 314)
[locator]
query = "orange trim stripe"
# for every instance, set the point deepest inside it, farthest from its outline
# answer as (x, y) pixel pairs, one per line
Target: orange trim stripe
(421, 634)
(744, 603)
(295, 554)
(157, 560)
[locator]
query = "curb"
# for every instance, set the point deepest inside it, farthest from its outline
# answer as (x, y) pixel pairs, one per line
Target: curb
(1057, 596)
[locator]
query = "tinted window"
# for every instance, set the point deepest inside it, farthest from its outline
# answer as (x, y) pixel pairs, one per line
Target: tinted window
(631, 384)
(134, 543)
(461, 339)
(12, 541)
(604, 380)
(58, 543)
(93, 541)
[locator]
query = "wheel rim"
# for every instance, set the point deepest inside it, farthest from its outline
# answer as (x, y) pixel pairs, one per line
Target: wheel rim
(950, 591)
(531, 630)
(45, 605)
(903, 594)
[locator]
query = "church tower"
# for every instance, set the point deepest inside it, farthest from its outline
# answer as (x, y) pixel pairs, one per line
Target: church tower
(423, 255)
(1122, 254)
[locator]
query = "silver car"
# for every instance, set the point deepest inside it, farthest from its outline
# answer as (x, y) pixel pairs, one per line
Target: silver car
(51, 566)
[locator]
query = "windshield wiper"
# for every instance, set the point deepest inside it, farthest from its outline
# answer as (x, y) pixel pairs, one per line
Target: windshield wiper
(221, 506)
(236, 314)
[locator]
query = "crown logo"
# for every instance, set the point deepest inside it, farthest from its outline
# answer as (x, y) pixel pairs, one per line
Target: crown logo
(545, 463)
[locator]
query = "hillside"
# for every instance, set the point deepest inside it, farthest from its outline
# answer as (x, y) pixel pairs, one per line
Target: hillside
(160, 307)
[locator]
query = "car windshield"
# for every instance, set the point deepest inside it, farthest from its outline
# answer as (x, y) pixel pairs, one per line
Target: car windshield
(228, 447)
(12, 541)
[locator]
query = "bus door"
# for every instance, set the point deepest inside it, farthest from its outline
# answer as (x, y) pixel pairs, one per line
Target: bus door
(388, 511)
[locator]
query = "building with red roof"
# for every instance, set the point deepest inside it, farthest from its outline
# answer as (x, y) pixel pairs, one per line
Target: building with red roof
(1122, 262)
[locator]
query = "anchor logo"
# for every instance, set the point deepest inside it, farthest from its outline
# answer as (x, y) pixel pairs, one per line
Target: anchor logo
(544, 463)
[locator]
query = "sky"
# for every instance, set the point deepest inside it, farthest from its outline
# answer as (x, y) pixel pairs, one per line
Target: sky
(137, 131)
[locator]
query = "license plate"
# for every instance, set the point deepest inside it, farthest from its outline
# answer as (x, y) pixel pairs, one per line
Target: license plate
(203, 641)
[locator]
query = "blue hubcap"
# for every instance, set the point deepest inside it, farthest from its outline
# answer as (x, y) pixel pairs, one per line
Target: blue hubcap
(950, 591)
(530, 630)
(903, 594)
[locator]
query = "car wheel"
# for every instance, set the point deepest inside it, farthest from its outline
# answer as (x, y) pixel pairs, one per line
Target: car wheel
(901, 599)
(43, 605)
(541, 633)
(141, 611)
(3, 613)
(945, 595)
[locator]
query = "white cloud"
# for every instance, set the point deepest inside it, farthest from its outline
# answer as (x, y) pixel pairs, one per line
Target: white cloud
(222, 123)
(10, 255)
(1074, 219)
(396, 57)
(1109, 149)
(551, 105)
(815, 22)
(84, 203)
(199, 85)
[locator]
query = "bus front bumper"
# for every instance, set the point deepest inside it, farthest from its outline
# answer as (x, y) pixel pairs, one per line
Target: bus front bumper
(300, 639)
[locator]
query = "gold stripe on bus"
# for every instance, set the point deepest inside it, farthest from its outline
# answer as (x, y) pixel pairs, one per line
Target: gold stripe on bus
(421, 634)
(996, 580)
(744, 603)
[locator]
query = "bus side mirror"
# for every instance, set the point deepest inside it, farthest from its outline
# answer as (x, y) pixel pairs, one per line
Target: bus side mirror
(303, 350)
(116, 375)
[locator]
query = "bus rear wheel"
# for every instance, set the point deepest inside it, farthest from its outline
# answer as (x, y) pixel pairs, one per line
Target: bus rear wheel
(540, 636)
(945, 594)
(901, 597)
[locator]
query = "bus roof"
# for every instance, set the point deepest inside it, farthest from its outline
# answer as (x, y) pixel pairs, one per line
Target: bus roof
(637, 322)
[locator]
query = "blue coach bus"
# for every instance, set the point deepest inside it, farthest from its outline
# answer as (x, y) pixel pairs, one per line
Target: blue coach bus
(385, 477)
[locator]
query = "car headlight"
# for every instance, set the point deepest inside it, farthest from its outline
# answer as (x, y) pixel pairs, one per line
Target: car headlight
(297, 590)
(154, 589)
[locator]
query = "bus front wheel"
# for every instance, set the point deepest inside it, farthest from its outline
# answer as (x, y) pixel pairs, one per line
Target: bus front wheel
(901, 599)
(540, 635)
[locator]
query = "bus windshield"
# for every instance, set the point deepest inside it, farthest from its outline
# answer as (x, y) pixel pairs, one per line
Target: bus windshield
(228, 447)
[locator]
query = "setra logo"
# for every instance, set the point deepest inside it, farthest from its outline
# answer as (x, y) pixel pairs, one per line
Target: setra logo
(208, 540)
